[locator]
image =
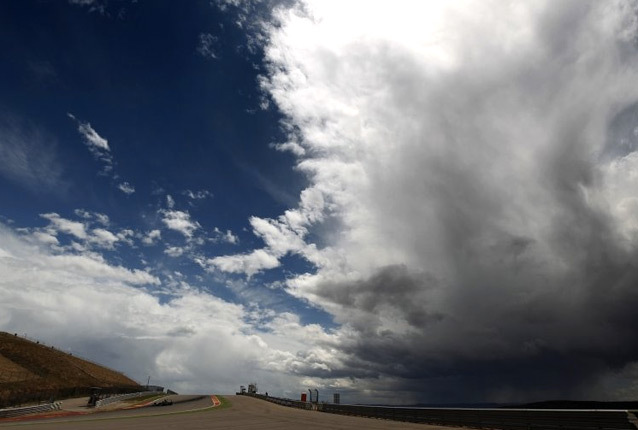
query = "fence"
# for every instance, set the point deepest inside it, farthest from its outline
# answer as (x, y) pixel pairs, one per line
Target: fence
(505, 419)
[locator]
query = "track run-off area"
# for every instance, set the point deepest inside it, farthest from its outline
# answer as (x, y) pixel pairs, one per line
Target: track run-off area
(200, 412)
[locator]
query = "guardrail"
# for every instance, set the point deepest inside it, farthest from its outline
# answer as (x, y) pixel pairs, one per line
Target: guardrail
(12, 396)
(498, 418)
(119, 397)
(504, 419)
(26, 410)
(286, 402)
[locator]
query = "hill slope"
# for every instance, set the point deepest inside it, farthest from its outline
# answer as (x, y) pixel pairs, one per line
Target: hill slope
(27, 366)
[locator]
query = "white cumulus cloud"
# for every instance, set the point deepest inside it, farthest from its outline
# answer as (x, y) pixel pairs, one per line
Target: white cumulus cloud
(174, 251)
(249, 264)
(207, 45)
(63, 225)
(227, 236)
(126, 188)
(180, 221)
(104, 238)
(152, 237)
(109, 314)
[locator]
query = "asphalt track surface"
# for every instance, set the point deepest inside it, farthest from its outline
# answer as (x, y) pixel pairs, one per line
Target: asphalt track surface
(244, 413)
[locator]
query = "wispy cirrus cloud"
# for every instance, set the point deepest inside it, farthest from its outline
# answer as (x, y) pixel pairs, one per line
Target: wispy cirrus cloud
(99, 147)
(197, 195)
(93, 140)
(28, 157)
(93, 5)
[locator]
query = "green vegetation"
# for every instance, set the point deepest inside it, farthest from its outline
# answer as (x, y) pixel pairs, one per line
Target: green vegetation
(223, 403)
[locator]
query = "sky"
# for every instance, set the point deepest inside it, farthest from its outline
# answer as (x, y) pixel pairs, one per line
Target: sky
(402, 202)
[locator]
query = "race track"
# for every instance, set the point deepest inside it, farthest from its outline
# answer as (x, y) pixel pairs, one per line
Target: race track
(243, 413)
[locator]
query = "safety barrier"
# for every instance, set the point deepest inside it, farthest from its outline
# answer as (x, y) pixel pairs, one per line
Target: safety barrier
(498, 418)
(26, 410)
(120, 397)
(504, 419)
(285, 402)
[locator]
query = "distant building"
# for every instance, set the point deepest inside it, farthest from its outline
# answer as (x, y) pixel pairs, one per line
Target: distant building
(252, 388)
(154, 388)
(314, 395)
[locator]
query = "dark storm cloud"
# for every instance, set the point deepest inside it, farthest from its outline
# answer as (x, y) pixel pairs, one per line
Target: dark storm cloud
(623, 133)
(499, 334)
(488, 244)
(391, 288)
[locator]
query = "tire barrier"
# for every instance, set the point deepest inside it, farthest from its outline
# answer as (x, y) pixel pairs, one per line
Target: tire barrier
(504, 419)
(26, 410)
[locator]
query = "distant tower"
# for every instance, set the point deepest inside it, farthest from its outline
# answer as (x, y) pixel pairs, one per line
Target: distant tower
(336, 398)
(252, 388)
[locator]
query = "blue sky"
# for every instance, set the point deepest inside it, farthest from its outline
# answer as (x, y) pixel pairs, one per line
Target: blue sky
(137, 105)
(401, 202)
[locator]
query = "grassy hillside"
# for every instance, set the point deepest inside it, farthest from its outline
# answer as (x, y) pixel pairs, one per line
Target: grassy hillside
(29, 367)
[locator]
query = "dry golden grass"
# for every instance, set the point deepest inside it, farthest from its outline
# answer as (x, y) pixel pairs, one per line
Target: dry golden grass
(10, 371)
(26, 363)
